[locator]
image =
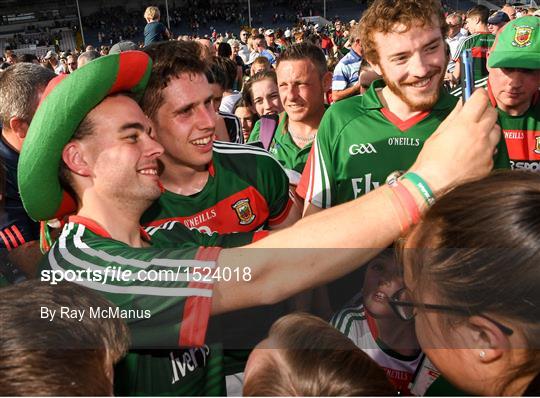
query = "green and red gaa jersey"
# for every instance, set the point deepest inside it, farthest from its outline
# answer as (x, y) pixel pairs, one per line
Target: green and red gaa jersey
(522, 135)
(479, 44)
(284, 149)
(246, 190)
(359, 143)
(167, 318)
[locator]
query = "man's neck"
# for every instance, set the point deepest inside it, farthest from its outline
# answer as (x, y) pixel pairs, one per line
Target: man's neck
(12, 140)
(519, 111)
(395, 105)
(119, 220)
(182, 179)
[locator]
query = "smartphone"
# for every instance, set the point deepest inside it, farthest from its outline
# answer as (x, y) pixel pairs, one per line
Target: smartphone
(467, 78)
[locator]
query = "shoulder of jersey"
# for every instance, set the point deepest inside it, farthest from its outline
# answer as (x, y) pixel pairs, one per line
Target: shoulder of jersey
(235, 153)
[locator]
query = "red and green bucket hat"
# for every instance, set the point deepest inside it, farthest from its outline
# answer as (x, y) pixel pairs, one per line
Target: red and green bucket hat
(517, 45)
(65, 103)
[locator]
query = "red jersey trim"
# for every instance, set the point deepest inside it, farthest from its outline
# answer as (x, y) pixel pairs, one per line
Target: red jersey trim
(281, 217)
(302, 188)
(403, 125)
(17, 233)
(11, 237)
(197, 309)
(372, 326)
(6, 241)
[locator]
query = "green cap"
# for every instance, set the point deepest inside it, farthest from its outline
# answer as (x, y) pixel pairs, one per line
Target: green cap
(517, 45)
(65, 103)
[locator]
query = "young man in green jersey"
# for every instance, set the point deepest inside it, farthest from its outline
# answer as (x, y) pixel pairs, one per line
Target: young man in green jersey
(514, 78)
(303, 79)
(104, 148)
(209, 186)
(362, 140)
(479, 42)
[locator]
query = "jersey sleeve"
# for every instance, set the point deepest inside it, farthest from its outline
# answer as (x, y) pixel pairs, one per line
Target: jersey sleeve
(274, 186)
(255, 133)
(152, 289)
(320, 185)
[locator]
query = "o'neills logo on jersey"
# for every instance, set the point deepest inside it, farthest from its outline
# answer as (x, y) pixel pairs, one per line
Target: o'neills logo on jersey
(514, 135)
(522, 36)
(537, 150)
(361, 149)
(195, 221)
(244, 212)
(403, 141)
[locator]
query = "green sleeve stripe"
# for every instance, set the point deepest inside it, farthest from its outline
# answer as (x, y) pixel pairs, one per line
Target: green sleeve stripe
(344, 314)
(247, 149)
(350, 322)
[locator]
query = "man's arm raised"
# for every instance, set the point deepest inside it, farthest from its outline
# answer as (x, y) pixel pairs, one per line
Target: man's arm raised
(460, 150)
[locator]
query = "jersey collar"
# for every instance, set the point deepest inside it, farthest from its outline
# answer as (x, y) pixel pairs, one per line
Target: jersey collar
(99, 230)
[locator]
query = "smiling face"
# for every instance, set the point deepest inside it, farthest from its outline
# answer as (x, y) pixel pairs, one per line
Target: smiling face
(186, 122)
(383, 278)
(266, 99)
(244, 114)
(514, 89)
(412, 63)
(120, 156)
(301, 89)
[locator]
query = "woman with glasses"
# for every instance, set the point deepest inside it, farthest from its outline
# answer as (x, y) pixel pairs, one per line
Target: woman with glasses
(472, 277)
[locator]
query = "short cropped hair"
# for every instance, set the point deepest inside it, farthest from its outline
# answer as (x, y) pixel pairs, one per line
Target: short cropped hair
(60, 357)
(222, 71)
(383, 15)
(308, 51)
(170, 60)
(20, 87)
(481, 12)
(315, 359)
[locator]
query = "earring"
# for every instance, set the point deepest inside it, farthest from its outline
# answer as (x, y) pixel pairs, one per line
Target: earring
(482, 354)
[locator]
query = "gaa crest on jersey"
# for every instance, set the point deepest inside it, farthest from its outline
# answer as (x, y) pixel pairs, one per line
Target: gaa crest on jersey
(537, 150)
(244, 212)
(522, 37)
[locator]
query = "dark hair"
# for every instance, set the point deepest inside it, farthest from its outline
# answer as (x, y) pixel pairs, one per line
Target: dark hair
(247, 94)
(170, 60)
(484, 240)
(382, 15)
(315, 359)
(305, 51)
(479, 11)
(62, 357)
(222, 71)
(27, 58)
(224, 50)
(20, 86)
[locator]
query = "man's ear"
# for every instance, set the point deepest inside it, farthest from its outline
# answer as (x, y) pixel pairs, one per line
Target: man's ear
(488, 341)
(19, 127)
(73, 157)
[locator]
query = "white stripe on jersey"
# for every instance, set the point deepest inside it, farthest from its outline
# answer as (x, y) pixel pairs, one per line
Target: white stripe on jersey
(145, 290)
(318, 180)
(241, 148)
(104, 256)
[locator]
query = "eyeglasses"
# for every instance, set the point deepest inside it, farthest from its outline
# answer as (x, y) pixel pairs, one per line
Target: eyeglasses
(402, 304)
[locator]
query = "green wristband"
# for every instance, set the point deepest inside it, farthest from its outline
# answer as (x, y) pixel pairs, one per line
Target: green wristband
(422, 187)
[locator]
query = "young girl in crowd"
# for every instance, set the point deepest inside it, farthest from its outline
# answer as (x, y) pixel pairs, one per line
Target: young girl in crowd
(262, 94)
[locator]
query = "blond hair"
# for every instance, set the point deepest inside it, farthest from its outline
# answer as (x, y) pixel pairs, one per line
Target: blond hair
(152, 13)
